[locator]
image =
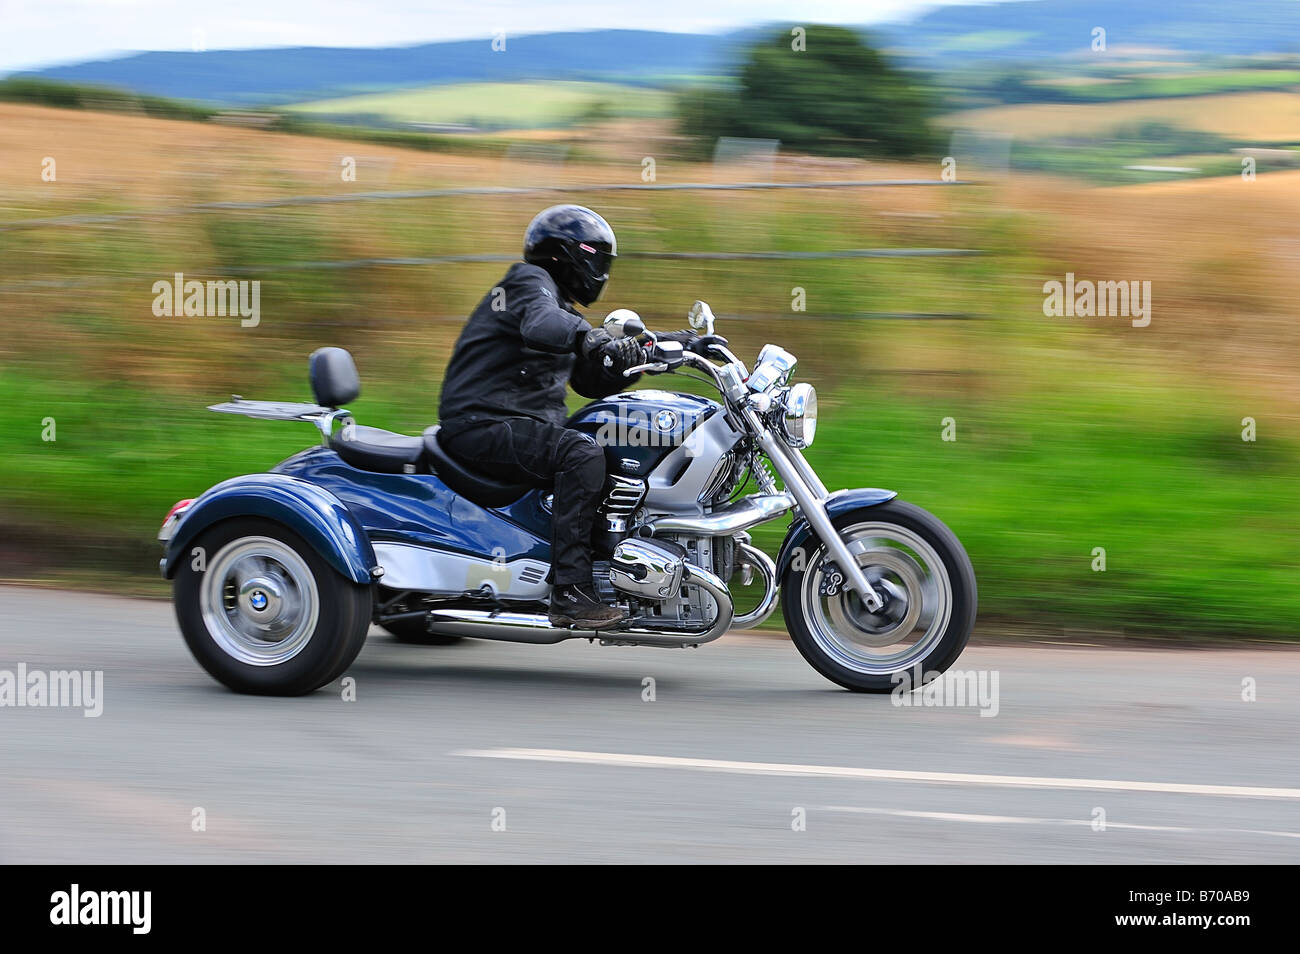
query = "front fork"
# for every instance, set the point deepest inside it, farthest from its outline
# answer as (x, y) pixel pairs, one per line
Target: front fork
(810, 493)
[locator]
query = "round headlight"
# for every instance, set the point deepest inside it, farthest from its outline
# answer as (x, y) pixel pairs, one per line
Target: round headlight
(799, 418)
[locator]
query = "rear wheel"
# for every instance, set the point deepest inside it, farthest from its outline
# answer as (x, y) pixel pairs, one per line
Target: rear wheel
(264, 613)
(925, 576)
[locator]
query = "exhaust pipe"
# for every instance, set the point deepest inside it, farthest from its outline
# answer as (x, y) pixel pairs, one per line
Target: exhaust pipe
(767, 570)
(536, 628)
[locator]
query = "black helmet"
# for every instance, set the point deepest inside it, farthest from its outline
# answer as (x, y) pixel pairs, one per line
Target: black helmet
(575, 246)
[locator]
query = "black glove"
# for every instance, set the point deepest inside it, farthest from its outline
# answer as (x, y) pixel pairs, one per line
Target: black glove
(692, 341)
(593, 341)
(612, 354)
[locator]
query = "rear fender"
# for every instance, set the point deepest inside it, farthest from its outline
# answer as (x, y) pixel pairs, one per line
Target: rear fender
(312, 512)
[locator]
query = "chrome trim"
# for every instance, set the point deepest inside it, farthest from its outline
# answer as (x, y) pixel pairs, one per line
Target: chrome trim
(767, 569)
(795, 407)
(723, 471)
(625, 495)
(745, 513)
(325, 423)
(442, 573)
(800, 463)
(535, 628)
(647, 569)
(774, 366)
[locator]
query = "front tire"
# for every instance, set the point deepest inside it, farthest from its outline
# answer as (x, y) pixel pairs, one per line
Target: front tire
(263, 612)
(919, 565)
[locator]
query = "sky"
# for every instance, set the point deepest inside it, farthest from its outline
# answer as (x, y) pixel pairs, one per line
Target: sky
(36, 33)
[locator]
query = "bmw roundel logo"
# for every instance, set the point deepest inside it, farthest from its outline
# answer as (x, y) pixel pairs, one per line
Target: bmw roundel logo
(666, 420)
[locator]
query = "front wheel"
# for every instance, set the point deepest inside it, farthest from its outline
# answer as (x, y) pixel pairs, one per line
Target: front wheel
(926, 579)
(264, 613)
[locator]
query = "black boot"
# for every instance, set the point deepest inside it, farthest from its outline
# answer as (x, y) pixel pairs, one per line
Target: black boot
(576, 606)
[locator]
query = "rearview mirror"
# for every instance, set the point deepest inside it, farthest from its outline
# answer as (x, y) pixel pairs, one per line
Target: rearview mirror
(701, 317)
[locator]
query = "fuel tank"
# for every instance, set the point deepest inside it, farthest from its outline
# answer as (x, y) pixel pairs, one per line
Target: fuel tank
(638, 429)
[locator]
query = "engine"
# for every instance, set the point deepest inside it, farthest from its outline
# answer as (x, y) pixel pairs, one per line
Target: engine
(651, 574)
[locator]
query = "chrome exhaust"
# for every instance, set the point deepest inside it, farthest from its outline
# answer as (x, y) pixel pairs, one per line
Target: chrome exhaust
(536, 628)
(767, 570)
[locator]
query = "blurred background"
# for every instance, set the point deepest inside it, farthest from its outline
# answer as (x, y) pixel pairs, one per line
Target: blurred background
(967, 155)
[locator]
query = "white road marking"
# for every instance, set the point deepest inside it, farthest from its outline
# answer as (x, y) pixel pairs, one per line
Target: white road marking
(895, 775)
(1024, 820)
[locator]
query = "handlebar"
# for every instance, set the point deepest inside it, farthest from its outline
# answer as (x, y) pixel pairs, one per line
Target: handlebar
(680, 356)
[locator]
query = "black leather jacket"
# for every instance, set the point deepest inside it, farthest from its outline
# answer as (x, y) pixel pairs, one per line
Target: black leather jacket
(517, 352)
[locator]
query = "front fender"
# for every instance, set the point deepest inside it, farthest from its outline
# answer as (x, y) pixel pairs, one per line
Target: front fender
(842, 501)
(312, 512)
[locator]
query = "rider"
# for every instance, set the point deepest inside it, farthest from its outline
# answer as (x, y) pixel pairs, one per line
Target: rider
(502, 408)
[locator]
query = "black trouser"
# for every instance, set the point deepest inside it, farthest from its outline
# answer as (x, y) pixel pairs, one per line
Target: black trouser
(529, 451)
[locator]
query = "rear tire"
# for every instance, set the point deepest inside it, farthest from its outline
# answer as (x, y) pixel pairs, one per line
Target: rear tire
(264, 613)
(925, 625)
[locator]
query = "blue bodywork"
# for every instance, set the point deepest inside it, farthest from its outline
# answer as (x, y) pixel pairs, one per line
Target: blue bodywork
(842, 501)
(313, 513)
(639, 428)
(340, 510)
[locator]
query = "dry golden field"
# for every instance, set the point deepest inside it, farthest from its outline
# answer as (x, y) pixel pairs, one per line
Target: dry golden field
(1223, 254)
(1263, 116)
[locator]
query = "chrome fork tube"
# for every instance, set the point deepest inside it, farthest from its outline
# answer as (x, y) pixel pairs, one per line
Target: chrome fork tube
(810, 503)
(800, 463)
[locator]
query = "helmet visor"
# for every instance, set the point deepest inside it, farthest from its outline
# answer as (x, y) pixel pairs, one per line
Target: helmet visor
(593, 260)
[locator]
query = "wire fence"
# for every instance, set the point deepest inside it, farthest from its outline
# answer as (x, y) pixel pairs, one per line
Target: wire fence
(72, 221)
(67, 221)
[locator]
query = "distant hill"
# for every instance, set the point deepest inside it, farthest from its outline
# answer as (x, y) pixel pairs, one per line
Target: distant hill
(295, 74)
(949, 36)
(1038, 29)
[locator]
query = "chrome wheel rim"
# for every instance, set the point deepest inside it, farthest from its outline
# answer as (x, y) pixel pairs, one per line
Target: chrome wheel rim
(259, 601)
(905, 569)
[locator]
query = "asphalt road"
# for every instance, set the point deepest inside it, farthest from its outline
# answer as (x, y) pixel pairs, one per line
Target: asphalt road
(490, 752)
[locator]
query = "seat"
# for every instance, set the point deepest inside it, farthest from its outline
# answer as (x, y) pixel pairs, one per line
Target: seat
(483, 490)
(373, 448)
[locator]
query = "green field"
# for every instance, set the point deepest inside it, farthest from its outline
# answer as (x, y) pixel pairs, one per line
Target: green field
(498, 105)
(1182, 84)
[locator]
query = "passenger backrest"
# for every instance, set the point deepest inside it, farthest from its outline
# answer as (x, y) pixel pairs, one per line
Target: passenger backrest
(334, 378)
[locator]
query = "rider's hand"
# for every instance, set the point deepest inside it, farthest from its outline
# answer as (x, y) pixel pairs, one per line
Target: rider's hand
(593, 341)
(614, 354)
(622, 353)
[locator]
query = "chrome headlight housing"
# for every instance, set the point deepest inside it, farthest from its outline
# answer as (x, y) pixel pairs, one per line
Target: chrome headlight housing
(798, 415)
(774, 367)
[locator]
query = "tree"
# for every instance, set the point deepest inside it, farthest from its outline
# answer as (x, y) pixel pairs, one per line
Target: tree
(835, 96)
